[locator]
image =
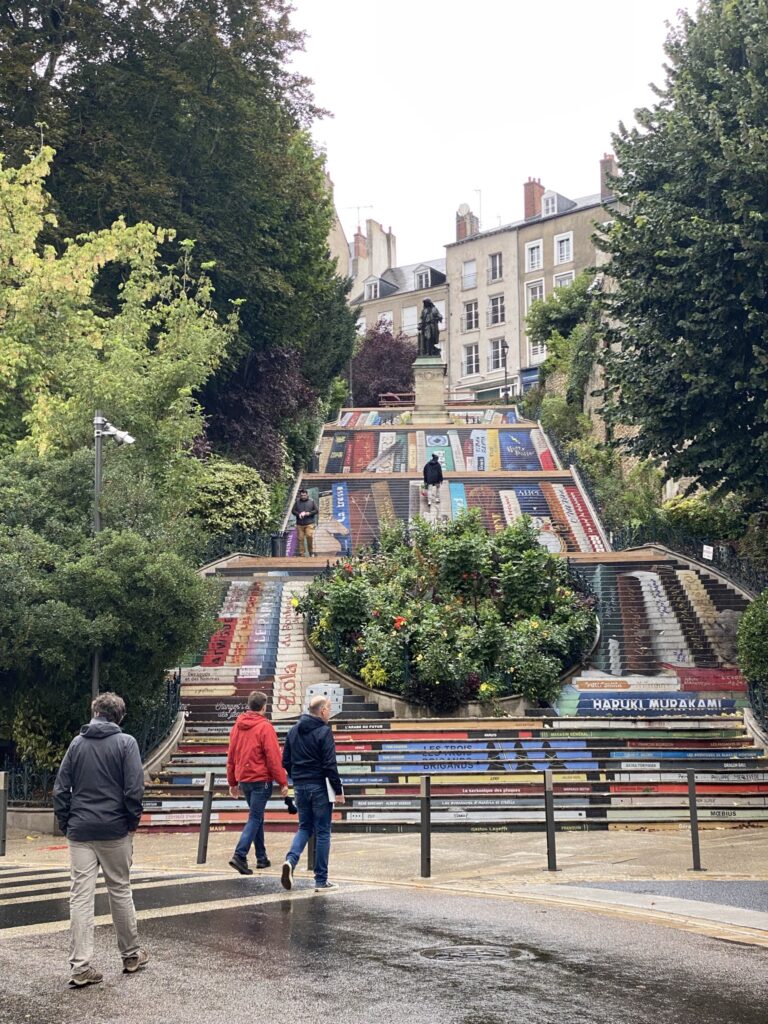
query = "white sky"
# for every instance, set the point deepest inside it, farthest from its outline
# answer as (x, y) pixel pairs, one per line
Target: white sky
(434, 100)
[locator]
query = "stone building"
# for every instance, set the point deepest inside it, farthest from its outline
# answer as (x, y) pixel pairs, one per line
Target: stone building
(495, 276)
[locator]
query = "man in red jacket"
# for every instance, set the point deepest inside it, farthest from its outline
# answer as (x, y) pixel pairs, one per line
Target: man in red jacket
(253, 764)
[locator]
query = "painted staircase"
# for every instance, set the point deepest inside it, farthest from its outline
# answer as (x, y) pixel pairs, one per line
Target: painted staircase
(661, 693)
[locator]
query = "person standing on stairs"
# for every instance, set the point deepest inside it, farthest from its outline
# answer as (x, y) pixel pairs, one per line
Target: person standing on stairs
(305, 511)
(253, 764)
(433, 477)
(309, 757)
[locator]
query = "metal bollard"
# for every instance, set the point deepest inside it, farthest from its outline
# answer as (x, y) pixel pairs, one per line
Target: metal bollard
(425, 796)
(694, 816)
(549, 816)
(311, 847)
(4, 780)
(205, 818)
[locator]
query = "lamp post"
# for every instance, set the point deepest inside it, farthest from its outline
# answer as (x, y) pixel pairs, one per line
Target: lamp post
(504, 350)
(101, 428)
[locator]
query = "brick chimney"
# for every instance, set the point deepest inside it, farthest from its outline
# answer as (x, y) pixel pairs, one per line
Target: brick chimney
(360, 245)
(467, 223)
(533, 190)
(608, 168)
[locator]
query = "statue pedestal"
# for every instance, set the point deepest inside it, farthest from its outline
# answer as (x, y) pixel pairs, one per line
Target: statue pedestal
(429, 386)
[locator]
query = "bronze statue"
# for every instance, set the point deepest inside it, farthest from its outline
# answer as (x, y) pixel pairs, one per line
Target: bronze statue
(429, 329)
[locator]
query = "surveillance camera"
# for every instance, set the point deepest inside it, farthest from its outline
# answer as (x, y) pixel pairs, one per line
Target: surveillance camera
(123, 437)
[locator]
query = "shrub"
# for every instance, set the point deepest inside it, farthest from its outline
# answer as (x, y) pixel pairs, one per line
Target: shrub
(752, 641)
(448, 613)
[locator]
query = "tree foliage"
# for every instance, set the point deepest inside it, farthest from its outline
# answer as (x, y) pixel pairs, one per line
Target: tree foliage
(449, 613)
(186, 113)
(689, 254)
(384, 362)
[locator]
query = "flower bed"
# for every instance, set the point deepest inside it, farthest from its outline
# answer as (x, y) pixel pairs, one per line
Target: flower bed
(450, 613)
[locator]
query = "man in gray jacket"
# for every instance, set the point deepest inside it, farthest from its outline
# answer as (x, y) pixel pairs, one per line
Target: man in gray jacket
(97, 800)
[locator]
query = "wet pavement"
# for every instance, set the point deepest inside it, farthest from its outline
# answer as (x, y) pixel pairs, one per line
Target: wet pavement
(745, 894)
(369, 954)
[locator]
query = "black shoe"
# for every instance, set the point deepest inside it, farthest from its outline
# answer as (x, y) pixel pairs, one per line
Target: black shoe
(286, 878)
(240, 864)
(264, 863)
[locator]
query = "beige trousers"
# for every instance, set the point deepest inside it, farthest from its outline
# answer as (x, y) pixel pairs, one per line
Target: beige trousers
(307, 531)
(114, 856)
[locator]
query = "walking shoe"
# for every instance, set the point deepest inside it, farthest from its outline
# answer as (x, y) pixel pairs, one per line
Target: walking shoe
(240, 864)
(326, 886)
(89, 976)
(131, 964)
(286, 878)
(264, 863)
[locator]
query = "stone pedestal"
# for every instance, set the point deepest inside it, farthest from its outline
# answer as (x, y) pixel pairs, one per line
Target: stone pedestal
(429, 386)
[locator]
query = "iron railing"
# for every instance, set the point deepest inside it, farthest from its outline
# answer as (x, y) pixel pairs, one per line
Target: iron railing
(28, 786)
(155, 724)
(758, 698)
(249, 542)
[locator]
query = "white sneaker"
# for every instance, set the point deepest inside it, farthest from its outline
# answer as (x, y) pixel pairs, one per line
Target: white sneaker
(286, 878)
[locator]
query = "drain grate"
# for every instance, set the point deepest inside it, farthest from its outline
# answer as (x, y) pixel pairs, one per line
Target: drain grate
(477, 954)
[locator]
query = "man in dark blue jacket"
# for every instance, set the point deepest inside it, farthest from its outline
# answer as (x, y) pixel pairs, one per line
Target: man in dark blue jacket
(309, 757)
(97, 799)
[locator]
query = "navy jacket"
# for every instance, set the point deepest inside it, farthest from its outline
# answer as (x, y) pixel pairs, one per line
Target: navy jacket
(433, 472)
(308, 506)
(98, 791)
(309, 754)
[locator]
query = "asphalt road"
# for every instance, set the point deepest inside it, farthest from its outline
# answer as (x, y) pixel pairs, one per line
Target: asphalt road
(743, 893)
(378, 955)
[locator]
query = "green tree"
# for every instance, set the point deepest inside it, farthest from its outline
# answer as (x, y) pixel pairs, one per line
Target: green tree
(143, 608)
(185, 112)
(384, 362)
(689, 255)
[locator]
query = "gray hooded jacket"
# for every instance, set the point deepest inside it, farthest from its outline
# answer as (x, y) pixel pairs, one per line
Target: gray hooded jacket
(98, 791)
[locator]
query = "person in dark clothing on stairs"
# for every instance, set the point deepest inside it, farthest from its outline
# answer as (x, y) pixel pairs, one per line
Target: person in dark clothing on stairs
(305, 511)
(433, 477)
(309, 757)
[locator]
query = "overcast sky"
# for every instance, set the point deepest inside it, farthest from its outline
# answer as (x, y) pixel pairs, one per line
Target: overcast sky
(438, 103)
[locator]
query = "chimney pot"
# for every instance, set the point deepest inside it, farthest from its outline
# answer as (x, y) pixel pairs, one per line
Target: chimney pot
(533, 190)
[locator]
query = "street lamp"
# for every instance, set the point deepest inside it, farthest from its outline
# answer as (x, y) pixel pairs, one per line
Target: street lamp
(101, 428)
(504, 350)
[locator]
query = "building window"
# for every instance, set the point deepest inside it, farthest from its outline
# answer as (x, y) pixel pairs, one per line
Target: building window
(562, 280)
(469, 274)
(534, 292)
(495, 310)
(471, 359)
(564, 248)
(495, 267)
(538, 353)
(549, 205)
(386, 319)
(408, 318)
(534, 255)
(371, 290)
(470, 321)
(360, 325)
(496, 356)
(423, 279)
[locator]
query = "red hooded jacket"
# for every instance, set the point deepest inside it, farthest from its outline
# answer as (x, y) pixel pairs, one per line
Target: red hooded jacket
(254, 753)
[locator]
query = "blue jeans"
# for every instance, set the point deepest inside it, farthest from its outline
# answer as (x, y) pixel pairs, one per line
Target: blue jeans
(256, 795)
(314, 816)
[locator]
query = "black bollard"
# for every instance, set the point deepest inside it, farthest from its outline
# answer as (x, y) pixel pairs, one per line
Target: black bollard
(205, 818)
(694, 816)
(4, 781)
(549, 815)
(426, 826)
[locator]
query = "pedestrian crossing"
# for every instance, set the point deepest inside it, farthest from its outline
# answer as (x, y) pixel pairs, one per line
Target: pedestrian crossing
(35, 900)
